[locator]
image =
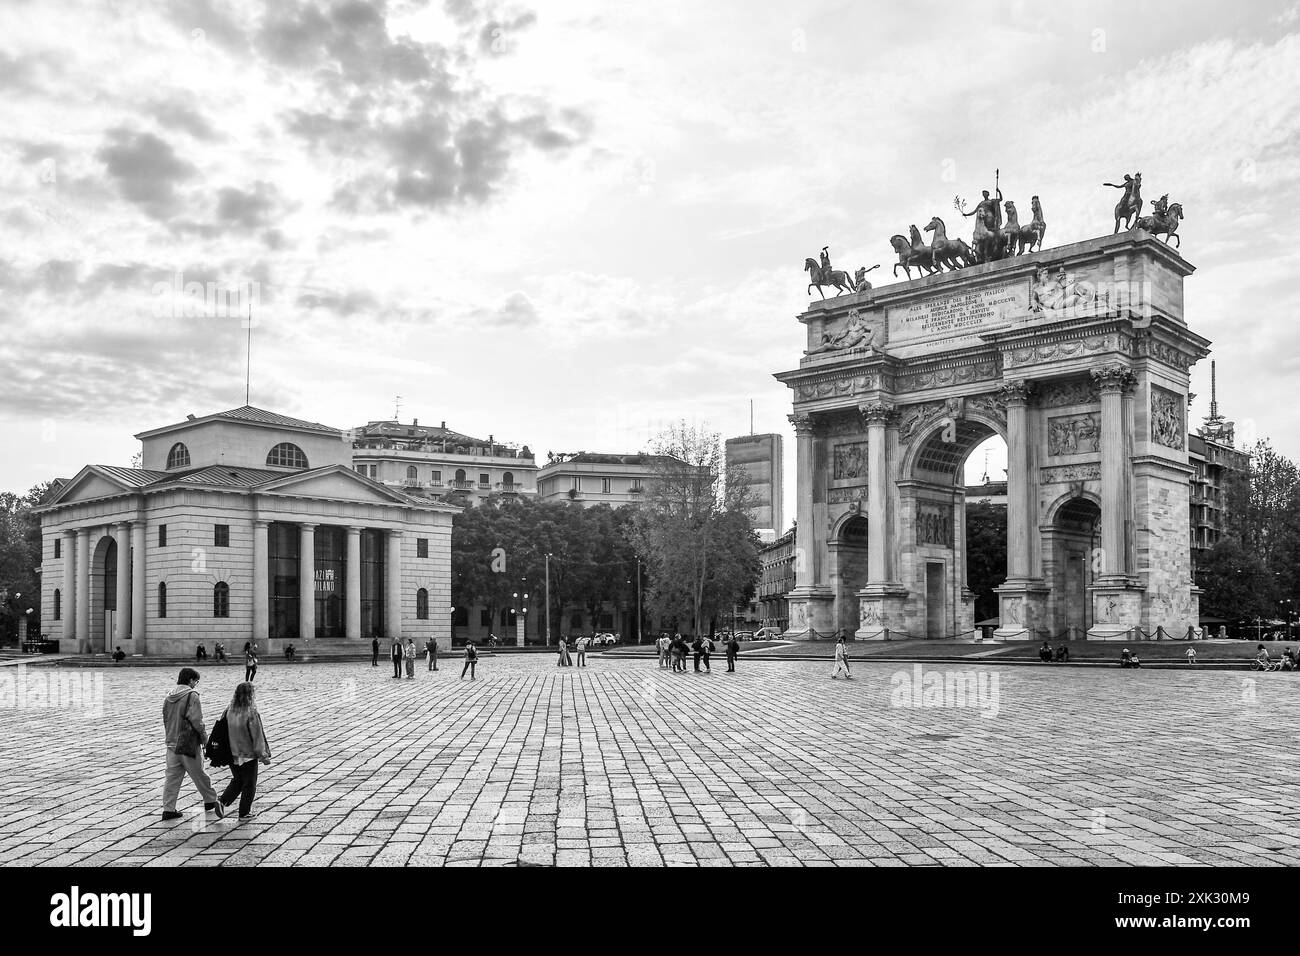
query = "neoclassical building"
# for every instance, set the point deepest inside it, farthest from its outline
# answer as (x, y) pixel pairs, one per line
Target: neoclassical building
(242, 525)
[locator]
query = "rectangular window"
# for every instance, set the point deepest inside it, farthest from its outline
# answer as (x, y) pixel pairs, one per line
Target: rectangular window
(484, 618)
(484, 480)
(221, 536)
(372, 583)
(575, 483)
(606, 485)
(437, 477)
(330, 547)
(162, 536)
(361, 469)
(284, 541)
(58, 550)
(421, 547)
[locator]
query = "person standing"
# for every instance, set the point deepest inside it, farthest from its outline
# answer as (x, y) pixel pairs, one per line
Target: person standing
(678, 651)
(395, 653)
(186, 738)
(582, 651)
(250, 661)
(410, 658)
(248, 748)
(564, 660)
(662, 643)
(697, 646)
(706, 648)
(431, 653)
(471, 658)
(841, 660)
(733, 648)
(374, 652)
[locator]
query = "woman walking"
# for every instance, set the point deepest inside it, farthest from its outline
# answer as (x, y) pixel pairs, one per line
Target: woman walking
(564, 660)
(248, 747)
(250, 661)
(409, 654)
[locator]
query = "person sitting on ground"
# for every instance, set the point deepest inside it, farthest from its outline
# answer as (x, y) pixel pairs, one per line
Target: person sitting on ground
(119, 655)
(1126, 658)
(219, 651)
(1262, 656)
(288, 652)
(1062, 653)
(1133, 661)
(201, 654)
(1045, 653)
(1288, 660)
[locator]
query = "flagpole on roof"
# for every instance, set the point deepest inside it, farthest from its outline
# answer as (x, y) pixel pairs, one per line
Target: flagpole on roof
(248, 358)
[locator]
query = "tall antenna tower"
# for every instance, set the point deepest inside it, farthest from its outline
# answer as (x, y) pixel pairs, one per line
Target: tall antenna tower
(985, 479)
(397, 408)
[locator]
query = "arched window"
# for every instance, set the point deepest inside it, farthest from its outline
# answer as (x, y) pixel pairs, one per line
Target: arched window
(508, 480)
(411, 474)
(58, 604)
(221, 599)
(178, 457)
(162, 599)
(460, 474)
(422, 605)
(286, 455)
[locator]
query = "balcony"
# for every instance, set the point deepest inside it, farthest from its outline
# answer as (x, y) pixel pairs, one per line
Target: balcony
(461, 485)
(485, 486)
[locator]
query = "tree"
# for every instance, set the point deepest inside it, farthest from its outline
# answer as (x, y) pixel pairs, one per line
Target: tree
(694, 530)
(20, 557)
(986, 555)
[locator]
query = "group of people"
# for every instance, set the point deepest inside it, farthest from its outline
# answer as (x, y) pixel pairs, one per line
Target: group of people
(405, 654)
(187, 737)
(1289, 660)
(580, 649)
(673, 651)
(250, 656)
(1047, 655)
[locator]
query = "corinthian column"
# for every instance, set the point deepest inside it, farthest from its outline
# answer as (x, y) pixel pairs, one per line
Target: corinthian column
(83, 591)
(122, 619)
(805, 563)
(137, 587)
(352, 603)
(261, 579)
(1018, 394)
(307, 582)
(1113, 381)
(393, 582)
(877, 415)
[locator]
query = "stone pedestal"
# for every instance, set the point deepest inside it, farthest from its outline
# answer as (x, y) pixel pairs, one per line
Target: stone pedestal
(883, 613)
(811, 609)
(1023, 611)
(1116, 609)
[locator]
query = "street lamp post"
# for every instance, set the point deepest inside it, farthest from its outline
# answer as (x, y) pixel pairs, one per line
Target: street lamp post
(521, 617)
(548, 599)
(638, 599)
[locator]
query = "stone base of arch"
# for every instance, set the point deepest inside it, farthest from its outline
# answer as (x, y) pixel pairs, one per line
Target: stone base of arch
(1116, 610)
(1023, 610)
(882, 613)
(812, 613)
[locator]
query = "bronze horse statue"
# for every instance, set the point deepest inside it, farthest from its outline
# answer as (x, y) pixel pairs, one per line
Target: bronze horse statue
(988, 242)
(1032, 234)
(912, 253)
(1166, 225)
(1130, 204)
(836, 278)
(953, 253)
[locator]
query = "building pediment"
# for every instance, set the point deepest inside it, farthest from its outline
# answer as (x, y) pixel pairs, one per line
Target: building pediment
(99, 481)
(338, 483)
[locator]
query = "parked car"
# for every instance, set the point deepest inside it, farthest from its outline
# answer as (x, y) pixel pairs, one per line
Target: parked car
(767, 634)
(604, 639)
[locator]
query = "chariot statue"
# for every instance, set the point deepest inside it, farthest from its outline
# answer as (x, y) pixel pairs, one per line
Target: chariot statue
(1130, 204)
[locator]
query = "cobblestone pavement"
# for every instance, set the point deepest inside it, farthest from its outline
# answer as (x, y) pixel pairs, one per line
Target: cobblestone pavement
(622, 763)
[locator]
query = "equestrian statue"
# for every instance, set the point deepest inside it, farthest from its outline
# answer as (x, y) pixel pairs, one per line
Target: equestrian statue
(1129, 206)
(822, 274)
(1163, 221)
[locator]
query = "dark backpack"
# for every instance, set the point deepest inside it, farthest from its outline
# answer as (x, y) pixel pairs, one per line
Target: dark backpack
(471, 653)
(218, 749)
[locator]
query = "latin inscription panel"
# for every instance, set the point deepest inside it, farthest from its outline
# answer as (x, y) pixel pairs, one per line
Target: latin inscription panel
(958, 316)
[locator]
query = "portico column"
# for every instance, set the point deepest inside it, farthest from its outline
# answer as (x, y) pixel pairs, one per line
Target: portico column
(805, 546)
(122, 618)
(137, 586)
(261, 579)
(1112, 381)
(393, 585)
(1019, 485)
(69, 599)
(353, 576)
(307, 582)
(877, 417)
(83, 590)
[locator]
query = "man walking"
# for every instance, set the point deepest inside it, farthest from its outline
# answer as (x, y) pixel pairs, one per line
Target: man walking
(582, 651)
(733, 648)
(431, 652)
(186, 738)
(841, 660)
(396, 653)
(374, 652)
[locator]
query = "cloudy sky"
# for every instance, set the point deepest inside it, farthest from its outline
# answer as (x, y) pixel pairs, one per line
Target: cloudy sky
(569, 223)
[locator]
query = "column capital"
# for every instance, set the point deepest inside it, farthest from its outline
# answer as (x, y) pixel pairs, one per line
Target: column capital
(876, 413)
(803, 424)
(125, 525)
(261, 522)
(355, 528)
(1018, 391)
(1113, 378)
(395, 532)
(307, 525)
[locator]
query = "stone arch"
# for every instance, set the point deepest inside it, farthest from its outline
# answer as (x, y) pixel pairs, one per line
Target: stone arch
(971, 429)
(105, 566)
(1071, 533)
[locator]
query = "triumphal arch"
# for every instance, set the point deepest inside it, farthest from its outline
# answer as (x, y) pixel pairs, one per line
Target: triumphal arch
(1078, 356)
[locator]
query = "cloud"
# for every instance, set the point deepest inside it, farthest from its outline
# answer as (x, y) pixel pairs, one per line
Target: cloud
(246, 210)
(146, 170)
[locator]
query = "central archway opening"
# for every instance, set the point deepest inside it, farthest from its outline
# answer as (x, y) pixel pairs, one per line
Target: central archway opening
(850, 570)
(1074, 538)
(955, 528)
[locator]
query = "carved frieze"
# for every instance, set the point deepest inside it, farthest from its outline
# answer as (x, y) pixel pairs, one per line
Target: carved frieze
(912, 418)
(850, 460)
(1089, 345)
(1166, 418)
(1018, 391)
(993, 406)
(1073, 434)
(837, 387)
(934, 525)
(1146, 345)
(1074, 391)
(1112, 378)
(1061, 474)
(944, 377)
(839, 496)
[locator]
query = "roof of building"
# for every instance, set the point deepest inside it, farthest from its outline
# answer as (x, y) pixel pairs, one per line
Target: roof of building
(250, 414)
(391, 430)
